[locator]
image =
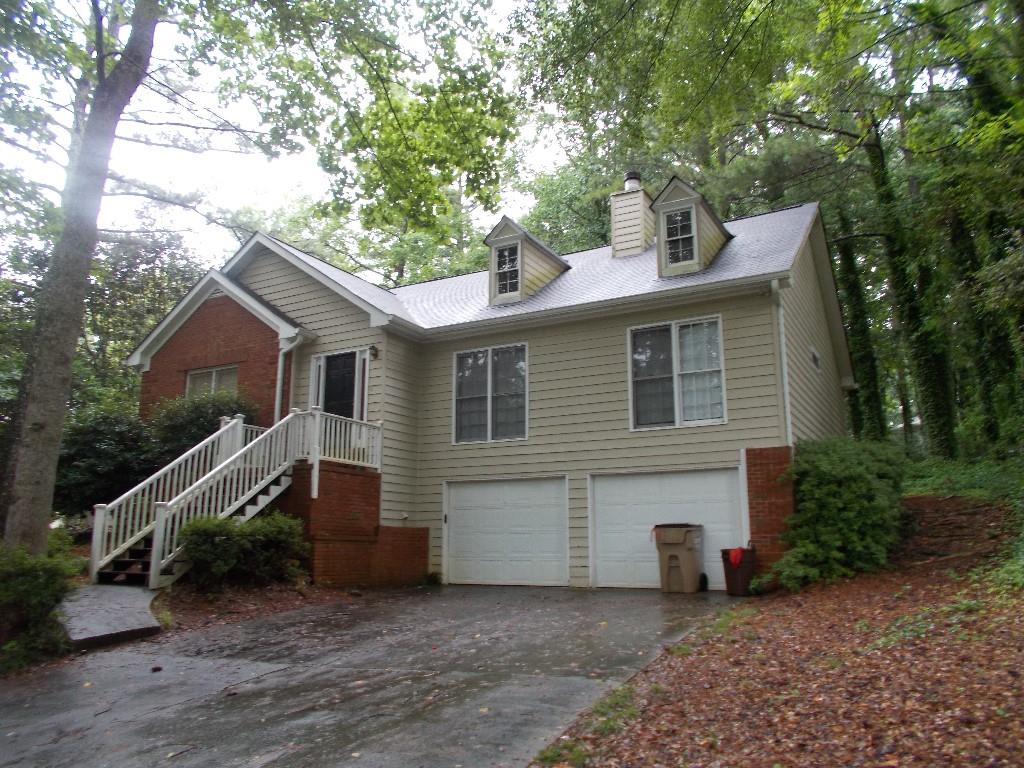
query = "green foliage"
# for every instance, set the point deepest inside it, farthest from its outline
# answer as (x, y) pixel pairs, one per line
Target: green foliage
(571, 210)
(266, 549)
(103, 454)
(31, 589)
(179, 424)
(614, 710)
(400, 100)
(564, 752)
(986, 479)
(847, 514)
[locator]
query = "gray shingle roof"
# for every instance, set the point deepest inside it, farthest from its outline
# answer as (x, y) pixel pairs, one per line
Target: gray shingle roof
(383, 299)
(763, 245)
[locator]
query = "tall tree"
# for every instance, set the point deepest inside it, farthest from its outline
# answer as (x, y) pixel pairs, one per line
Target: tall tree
(395, 128)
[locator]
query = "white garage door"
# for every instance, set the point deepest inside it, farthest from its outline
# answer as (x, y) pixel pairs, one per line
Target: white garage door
(508, 532)
(626, 507)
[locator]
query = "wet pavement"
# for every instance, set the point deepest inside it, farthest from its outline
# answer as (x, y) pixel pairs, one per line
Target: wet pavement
(438, 676)
(101, 614)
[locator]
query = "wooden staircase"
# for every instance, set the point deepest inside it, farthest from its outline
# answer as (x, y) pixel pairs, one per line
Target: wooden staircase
(132, 566)
(237, 472)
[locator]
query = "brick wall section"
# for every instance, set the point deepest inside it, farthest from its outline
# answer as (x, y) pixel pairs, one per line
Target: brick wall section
(220, 332)
(349, 546)
(770, 500)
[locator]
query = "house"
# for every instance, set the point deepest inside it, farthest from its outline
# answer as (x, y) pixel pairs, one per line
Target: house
(530, 423)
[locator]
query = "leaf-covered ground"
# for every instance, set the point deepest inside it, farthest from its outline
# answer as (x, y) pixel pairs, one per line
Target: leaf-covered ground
(183, 608)
(917, 666)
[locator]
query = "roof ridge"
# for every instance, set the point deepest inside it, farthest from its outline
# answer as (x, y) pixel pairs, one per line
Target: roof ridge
(328, 263)
(767, 213)
(436, 279)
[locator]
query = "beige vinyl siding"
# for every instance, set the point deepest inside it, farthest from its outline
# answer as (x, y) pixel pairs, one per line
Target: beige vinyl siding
(338, 324)
(579, 412)
(538, 269)
(817, 404)
(709, 235)
(633, 223)
(401, 359)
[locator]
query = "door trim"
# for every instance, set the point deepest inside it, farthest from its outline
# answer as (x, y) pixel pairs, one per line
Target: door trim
(362, 391)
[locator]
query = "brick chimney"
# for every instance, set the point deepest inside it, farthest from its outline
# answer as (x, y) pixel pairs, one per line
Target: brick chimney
(632, 218)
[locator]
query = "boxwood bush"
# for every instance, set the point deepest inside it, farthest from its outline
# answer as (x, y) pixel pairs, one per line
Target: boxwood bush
(105, 452)
(31, 589)
(266, 549)
(847, 516)
(179, 424)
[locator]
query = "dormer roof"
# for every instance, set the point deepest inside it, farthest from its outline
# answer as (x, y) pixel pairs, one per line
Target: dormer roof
(508, 228)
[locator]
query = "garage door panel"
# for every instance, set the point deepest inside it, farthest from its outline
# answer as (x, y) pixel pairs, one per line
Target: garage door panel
(508, 532)
(627, 507)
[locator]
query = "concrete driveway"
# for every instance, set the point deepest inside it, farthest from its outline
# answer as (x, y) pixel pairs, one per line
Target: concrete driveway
(439, 676)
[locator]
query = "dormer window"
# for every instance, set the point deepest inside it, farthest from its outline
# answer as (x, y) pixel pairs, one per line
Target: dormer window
(507, 271)
(679, 242)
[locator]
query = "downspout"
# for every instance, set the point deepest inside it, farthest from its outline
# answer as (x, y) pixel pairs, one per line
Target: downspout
(279, 390)
(783, 362)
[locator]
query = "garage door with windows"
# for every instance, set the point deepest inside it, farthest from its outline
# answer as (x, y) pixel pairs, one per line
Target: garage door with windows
(508, 532)
(627, 507)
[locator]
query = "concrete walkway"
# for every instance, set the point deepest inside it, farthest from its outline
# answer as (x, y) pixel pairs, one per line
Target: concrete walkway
(441, 676)
(102, 614)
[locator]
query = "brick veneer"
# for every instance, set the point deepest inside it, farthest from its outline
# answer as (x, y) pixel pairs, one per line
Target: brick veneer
(770, 500)
(220, 332)
(349, 546)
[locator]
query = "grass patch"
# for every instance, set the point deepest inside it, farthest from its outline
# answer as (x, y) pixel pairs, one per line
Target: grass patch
(728, 620)
(614, 711)
(983, 479)
(564, 751)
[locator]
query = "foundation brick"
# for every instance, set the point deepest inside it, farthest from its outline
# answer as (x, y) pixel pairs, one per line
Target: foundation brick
(770, 501)
(349, 547)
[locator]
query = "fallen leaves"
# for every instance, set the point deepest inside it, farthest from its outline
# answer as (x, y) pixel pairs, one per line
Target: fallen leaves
(916, 667)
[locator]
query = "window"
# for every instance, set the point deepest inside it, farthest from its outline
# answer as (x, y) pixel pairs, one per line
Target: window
(223, 379)
(490, 394)
(679, 244)
(677, 374)
(507, 272)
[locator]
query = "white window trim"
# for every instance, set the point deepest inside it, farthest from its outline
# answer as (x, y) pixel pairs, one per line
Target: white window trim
(676, 373)
(683, 266)
(503, 298)
(490, 394)
(316, 379)
(212, 369)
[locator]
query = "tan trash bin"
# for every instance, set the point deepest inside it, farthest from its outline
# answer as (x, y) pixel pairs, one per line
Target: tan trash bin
(680, 548)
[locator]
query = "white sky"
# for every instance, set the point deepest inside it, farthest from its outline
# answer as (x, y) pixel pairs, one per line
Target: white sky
(231, 181)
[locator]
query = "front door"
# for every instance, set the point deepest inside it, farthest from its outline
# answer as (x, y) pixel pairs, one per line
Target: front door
(340, 384)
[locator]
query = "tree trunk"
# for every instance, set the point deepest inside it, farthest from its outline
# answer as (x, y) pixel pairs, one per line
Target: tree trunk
(46, 382)
(862, 349)
(981, 326)
(928, 348)
(906, 415)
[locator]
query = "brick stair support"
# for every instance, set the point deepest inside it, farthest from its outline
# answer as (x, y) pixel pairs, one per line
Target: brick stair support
(349, 546)
(770, 501)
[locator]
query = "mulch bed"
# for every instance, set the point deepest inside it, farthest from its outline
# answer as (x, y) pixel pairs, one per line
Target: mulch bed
(917, 666)
(190, 609)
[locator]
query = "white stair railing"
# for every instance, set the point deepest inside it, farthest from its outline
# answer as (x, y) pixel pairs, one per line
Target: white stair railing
(350, 441)
(130, 518)
(227, 488)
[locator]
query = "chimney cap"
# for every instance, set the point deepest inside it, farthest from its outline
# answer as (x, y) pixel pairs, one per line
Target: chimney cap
(632, 174)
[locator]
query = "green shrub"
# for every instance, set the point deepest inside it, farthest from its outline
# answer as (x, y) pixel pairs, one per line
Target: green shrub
(179, 424)
(102, 455)
(847, 516)
(264, 550)
(31, 589)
